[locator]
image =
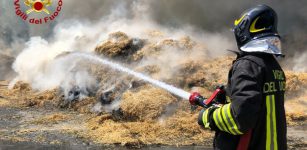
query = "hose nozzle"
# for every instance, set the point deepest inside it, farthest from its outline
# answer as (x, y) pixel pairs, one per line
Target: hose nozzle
(197, 100)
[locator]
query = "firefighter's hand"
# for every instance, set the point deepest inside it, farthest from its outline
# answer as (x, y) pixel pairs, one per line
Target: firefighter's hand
(204, 117)
(221, 96)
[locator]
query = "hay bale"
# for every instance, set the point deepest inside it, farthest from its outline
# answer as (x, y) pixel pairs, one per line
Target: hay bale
(187, 43)
(149, 69)
(155, 34)
(153, 49)
(146, 104)
(22, 87)
(115, 44)
(296, 83)
(180, 129)
(119, 44)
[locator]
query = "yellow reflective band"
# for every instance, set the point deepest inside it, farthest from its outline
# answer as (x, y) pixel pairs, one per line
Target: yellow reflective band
(253, 29)
(231, 121)
(274, 122)
(226, 119)
(268, 123)
(215, 120)
(221, 120)
(271, 133)
(228, 100)
(204, 118)
(235, 127)
(239, 20)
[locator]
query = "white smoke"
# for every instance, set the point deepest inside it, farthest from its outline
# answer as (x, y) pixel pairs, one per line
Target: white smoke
(40, 63)
(300, 62)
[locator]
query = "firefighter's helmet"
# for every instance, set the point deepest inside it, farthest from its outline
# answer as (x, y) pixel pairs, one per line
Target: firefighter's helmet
(257, 22)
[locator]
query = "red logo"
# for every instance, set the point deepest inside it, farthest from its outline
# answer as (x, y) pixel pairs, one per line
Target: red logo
(42, 7)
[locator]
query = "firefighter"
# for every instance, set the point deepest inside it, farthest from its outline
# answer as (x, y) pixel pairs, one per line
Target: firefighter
(254, 118)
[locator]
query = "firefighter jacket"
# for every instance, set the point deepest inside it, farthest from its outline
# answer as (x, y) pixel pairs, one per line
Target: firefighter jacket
(256, 86)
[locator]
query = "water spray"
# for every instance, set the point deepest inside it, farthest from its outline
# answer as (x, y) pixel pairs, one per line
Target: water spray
(176, 91)
(195, 98)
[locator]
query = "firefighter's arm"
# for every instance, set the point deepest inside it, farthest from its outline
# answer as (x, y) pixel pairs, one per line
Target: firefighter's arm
(242, 113)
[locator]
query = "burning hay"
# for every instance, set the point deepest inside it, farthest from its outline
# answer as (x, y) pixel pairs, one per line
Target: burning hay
(176, 130)
(119, 45)
(51, 119)
(22, 95)
(145, 104)
(154, 49)
(129, 111)
(296, 83)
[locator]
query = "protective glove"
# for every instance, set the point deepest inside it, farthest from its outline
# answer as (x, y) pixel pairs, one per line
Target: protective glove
(221, 96)
(205, 115)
